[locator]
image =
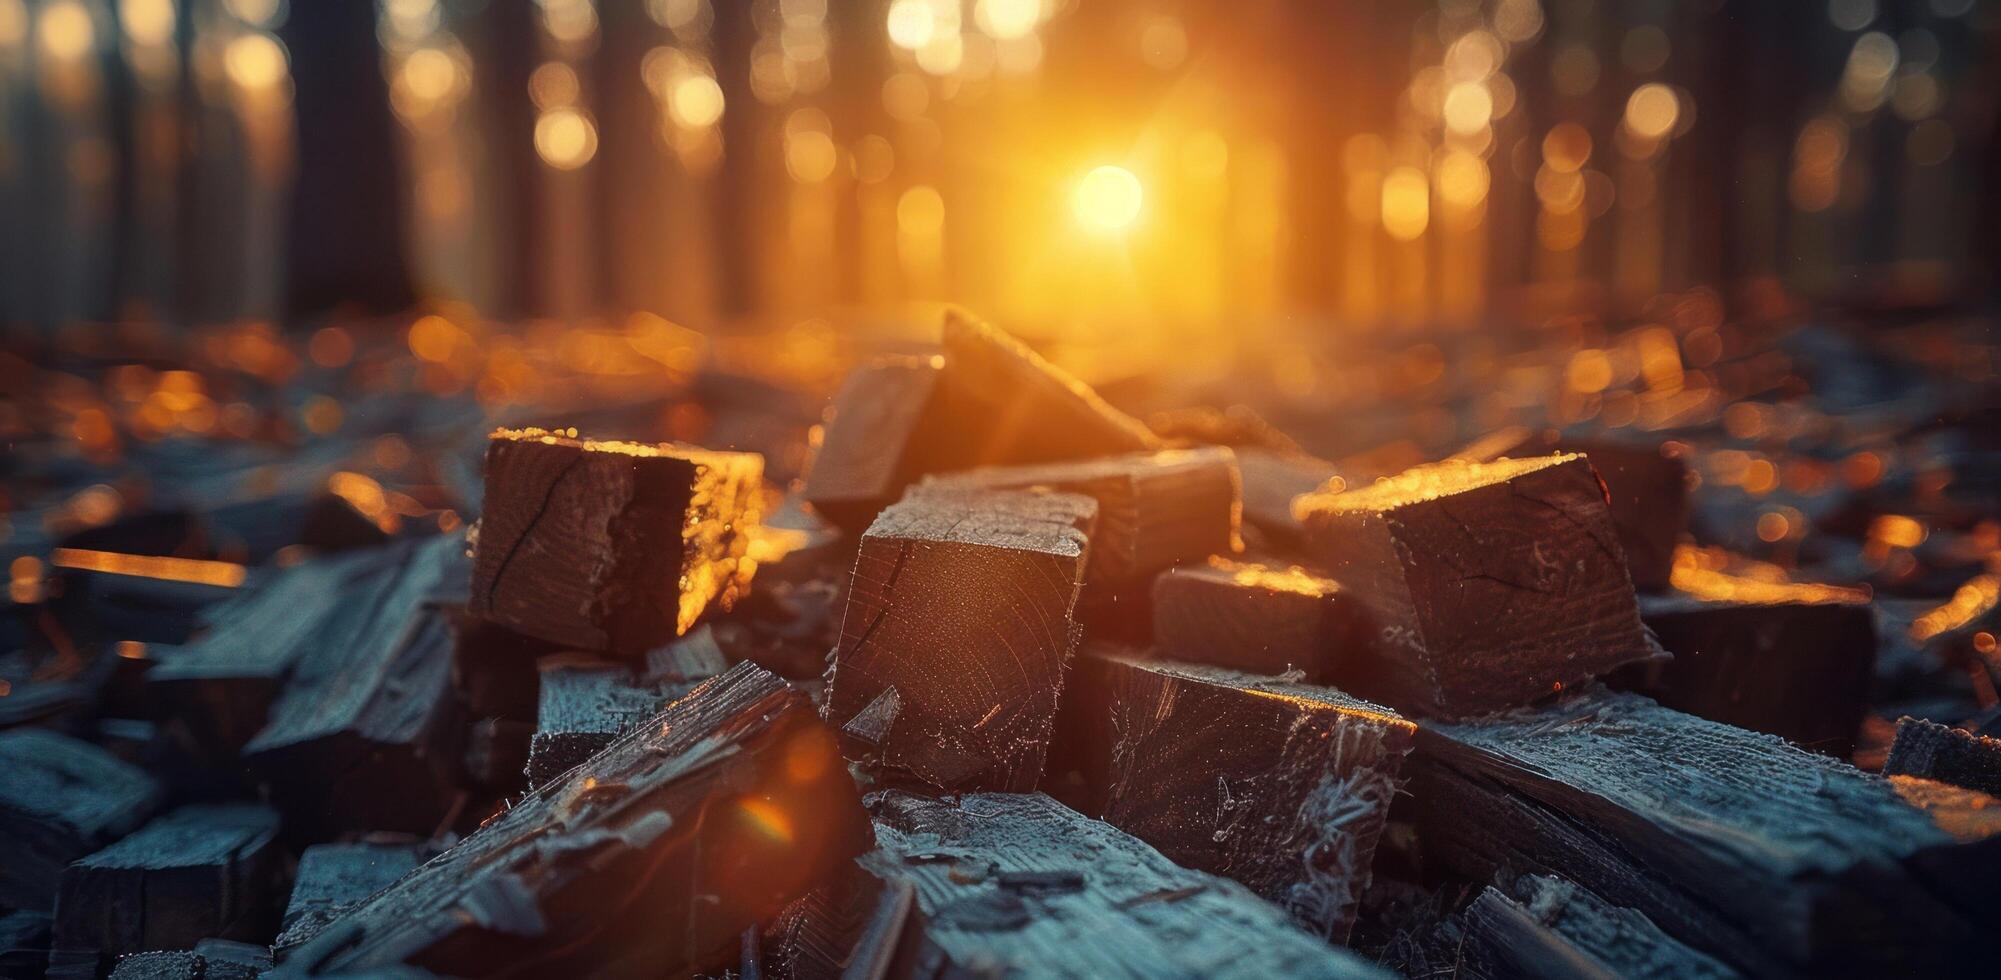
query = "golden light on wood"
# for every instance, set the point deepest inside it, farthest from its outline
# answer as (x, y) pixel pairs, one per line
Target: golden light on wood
(1108, 199)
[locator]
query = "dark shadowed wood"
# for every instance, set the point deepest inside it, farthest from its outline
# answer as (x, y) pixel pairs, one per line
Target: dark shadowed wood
(958, 627)
(587, 702)
(1949, 755)
(24, 943)
(1796, 664)
(202, 871)
(1776, 860)
(986, 400)
(356, 740)
(1155, 510)
(1019, 885)
(332, 877)
(1646, 489)
(610, 545)
(1485, 586)
(856, 927)
(1271, 480)
(1261, 619)
(1548, 927)
(60, 799)
(1282, 786)
(651, 861)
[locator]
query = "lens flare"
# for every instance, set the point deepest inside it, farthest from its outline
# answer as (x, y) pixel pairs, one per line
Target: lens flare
(1108, 199)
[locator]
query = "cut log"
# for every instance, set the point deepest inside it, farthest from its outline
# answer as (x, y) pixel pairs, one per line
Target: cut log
(986, 400)
(1284, 787)
(197, 872)
(1646, 489)
(333, 877)
(1271, 481)
(1548, 927)
(1949, 755)
(583, 543)
(356, 740)
(1260, 619)
(1155, 510)
(1795, 661)
(1778, 861)
(960, 621)
(1019, 885)
(650, 861)
(1484, 586)
(587, 702)
(61, 798)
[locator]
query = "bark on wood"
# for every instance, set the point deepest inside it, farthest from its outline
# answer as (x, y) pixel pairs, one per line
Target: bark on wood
(986, 400)
(610, 546)
(1775, 860)
(958, 628)
(1019, 885)
(61, 799)
(1799, 670)
(1282, 786)
(1646, 491)
(1485, 586)
(1548, 927)
(652, 860)
(1260, 619)
(196, 872)
(1949, 755)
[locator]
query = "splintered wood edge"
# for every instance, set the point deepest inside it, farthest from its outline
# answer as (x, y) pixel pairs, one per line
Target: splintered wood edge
(1424, 483)
(1312, 697)
(619, 447)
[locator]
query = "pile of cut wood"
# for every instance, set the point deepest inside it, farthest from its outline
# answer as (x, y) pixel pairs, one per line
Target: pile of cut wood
(1097, 699)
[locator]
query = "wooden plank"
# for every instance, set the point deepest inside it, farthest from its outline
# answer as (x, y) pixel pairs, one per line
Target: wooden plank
(1949, 755)
(959, 623)
(1282, 786)
(1257, 618)
(580, 539)
(1485, 586)
(987, 399)
(61, 799)
(1778, 861)
(210, 870)
(333, 877)
(1646, 491)
(1019, 885)
(587, 702)
(354, 741)
(1797, 662)
(653, 860)
(1548, 927)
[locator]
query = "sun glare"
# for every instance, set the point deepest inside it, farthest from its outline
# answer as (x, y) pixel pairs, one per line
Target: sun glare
(1108, 199)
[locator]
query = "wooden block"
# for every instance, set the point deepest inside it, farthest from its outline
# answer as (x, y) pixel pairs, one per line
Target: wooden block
(587, 702)
(1949, 755)
(1778, 861)
(706, 819)
(24, 943)
(209, 870)
(1548, 927)
(1484, 586)
(959, 623)
(61, 798)
(1261, 619)
(583, 542)
(987, 399)
(333, 877)
(220, 687)
(1282, 786)
(1792, 660)
(1155, 510)
(1646, 490)
(1019, 885)
(354, 742)
(1271, 481)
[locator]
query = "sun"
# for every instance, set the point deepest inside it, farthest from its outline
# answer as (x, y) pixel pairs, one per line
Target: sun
(1107, 199)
